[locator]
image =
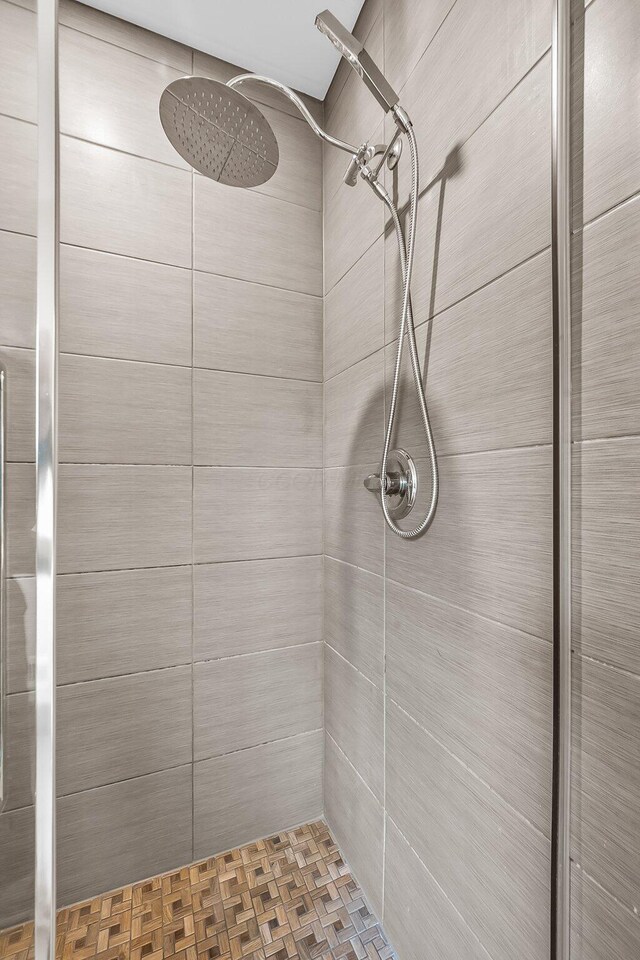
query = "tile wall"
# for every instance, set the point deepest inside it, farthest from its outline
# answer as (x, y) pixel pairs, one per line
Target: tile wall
(438, 653)
(606, 424)
(190, 527)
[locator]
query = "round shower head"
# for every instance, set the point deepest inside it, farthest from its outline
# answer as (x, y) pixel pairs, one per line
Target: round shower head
(219, 131)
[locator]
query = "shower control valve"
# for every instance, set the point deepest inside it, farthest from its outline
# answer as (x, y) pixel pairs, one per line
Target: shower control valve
(394, 483)
(400, 483)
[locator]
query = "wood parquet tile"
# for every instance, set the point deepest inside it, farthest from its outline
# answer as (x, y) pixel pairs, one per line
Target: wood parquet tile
(288, 897)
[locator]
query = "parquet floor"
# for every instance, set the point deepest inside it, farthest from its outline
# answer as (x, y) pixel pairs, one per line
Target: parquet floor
(289, 897)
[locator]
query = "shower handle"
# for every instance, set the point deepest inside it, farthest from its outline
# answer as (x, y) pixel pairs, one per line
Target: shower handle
(395, 483)
(400, 483)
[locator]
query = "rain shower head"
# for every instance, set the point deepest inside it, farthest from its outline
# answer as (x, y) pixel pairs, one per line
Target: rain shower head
(354, 52)
(219, 132)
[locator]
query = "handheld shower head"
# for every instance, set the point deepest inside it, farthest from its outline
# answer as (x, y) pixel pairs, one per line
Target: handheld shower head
(354, 52)
(219, 132)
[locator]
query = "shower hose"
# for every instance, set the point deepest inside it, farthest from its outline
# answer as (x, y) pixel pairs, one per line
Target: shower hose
(406, 253)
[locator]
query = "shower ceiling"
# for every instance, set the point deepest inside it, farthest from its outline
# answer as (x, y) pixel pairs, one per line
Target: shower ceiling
(277, 37)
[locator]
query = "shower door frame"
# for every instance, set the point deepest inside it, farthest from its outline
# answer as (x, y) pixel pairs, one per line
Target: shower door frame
(46, 456)
(48, 212)
(560, 906)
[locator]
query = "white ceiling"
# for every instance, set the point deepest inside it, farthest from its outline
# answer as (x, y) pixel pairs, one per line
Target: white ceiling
(274, 37)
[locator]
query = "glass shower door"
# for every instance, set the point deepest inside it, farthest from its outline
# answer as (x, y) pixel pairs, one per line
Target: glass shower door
(18, 256)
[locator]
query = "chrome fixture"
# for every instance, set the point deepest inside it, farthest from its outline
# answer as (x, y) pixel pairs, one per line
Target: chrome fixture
(354, 52)
(219, 132)
(400, 483)
(224, 136)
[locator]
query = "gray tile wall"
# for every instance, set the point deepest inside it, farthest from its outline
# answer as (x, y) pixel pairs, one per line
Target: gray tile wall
(190, 527)
(438, 654)
(606, 424)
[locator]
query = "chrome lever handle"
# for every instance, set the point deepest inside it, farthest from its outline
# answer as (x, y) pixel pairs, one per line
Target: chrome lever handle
(399, 484)
(372, 482)
(394, 484)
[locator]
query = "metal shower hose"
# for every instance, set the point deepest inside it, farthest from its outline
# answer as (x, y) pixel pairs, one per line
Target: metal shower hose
(407, 325)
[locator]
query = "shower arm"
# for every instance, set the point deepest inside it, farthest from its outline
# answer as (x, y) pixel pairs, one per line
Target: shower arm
(296, 100)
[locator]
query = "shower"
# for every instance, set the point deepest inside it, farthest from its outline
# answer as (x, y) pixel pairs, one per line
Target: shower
(224, 136)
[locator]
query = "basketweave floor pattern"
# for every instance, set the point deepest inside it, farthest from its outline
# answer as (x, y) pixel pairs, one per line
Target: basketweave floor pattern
(288, 897)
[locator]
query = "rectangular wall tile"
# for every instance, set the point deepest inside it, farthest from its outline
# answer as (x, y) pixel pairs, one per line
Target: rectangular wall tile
(20, 756)
(475, 219)
(354, 313)
(489, 548)
(254, 793)
(111, 730)
(417, 914)
(17, 290)
(205, 65)
(482, 689)
(266, 241)
(606, 340)
(111, 517)
(243, 702)
(123, 832)
(18, 72)
(245, 607)
(113, 306)
(606, 548)
(354, 413)
(125, 34)
(298, 177)
(472, 75)
(353, 523)
(123, 204)
(108, 624)
(410, 27)
(21, 507)
(93, 76)
(600, 925)
(606, 777)
(116, 411)
(121, 622)
(609, 154)
(492, 865)
(18, 172)
(489, 366)
(353, 221)
(354, 616)
(257, 421)
(356, 819)
(276, 513)
(354, 718)
(107, 731)
(20, 370)
(20, 634)
(17, 862)
(252, 328)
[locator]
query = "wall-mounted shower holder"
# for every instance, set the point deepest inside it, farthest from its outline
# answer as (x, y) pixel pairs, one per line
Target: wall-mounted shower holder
(401, 483)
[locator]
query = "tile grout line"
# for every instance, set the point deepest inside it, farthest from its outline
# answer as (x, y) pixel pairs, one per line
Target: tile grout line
(171, 366)
(166, 263)
(303, 645)
(185, 765)
(464, 922)
(475, 776)
(627, 907)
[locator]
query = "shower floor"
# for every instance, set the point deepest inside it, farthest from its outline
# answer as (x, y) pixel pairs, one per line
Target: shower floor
(288, 897)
